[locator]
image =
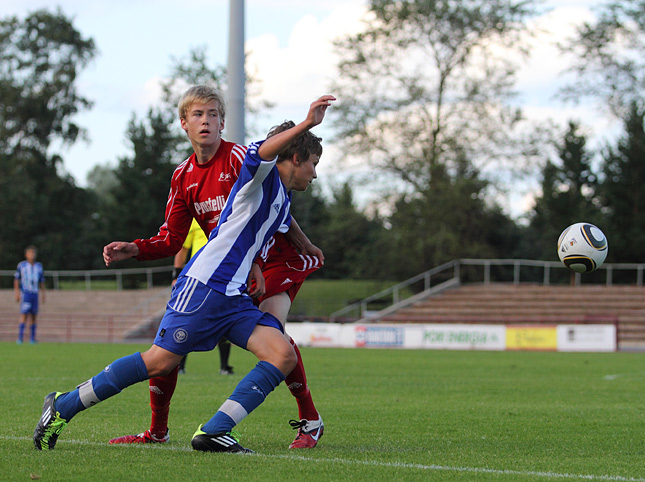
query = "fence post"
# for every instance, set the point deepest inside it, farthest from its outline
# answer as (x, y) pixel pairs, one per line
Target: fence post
(547, 275)
(609, 275)
(516, 273)
(119, 281)
(486, 272)
(88, 281)
(639, 275)
(149, 278)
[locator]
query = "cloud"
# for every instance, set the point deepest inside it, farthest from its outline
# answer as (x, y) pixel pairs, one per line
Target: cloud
(298, 72)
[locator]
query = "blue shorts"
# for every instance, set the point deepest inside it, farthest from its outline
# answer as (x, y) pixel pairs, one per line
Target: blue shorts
(197, 317)
(29, 303)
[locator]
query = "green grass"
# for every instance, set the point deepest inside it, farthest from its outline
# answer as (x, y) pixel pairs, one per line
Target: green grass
(323, 297)
(389, 415)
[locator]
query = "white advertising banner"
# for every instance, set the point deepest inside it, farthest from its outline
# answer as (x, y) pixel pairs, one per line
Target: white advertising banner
(435, 336)
(586, 337)
(443, 336)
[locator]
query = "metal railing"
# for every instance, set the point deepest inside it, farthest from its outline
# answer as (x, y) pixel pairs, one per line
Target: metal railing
(87, 277)
(486, 271)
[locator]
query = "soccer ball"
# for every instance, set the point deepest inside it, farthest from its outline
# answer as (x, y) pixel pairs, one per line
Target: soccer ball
(582, 247)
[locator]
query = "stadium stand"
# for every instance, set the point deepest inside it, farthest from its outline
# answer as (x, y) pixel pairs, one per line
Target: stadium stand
(89, 316)
(508, 303)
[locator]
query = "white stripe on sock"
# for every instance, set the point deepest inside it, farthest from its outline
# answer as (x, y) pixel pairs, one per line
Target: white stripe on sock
(87, 395)
(234, 410)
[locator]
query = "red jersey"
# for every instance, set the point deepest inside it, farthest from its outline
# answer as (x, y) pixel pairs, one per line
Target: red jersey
(196, 191)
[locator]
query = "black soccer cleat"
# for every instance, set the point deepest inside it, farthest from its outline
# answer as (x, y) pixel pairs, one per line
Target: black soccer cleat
(50, 424)
(219, 442)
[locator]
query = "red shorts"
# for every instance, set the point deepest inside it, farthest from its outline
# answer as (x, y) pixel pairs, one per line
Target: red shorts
(284, 268)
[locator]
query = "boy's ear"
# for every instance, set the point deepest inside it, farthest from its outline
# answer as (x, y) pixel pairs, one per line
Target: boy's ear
(295, 160)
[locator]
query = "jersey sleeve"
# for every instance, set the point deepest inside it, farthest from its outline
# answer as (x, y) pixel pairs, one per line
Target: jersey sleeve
(172, 233)
(188, 242)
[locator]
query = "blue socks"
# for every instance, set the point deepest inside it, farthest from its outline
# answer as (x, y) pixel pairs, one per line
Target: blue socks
(33, 333)
(21, 331)
(246, 397)
(115, 377)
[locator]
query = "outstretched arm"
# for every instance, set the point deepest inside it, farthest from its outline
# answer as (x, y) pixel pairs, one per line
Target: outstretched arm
(275, 144)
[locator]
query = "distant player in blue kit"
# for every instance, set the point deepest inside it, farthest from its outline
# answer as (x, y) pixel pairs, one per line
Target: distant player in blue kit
(209, 300)
(28, 284)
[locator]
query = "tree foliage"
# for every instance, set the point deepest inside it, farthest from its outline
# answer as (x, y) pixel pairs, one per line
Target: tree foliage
(40, 58)
(569, 194)
(425, 85)
(622, 192)
(609, 57)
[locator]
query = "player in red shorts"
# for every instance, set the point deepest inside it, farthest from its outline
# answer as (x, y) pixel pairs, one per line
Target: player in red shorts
(285, 270)
(199, 188)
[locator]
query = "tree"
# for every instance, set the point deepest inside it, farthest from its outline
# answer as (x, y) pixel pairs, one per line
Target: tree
(352, 240)
(40, 58)
(136, 200)
(569, 194)
(447, 221)
(609, 58)
(424, 86)
(622, 192)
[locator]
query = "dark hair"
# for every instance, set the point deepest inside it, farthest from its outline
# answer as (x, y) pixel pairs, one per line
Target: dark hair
(302, 146)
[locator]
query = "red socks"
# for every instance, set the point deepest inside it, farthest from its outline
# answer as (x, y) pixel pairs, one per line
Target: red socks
(161, 391)
(297, 383)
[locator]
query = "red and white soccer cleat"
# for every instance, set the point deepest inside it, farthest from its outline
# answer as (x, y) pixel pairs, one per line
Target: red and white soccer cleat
(309, 432)
(141, 438)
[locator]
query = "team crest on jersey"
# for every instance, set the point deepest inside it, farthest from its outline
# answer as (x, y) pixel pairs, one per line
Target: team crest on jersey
(276, 207)
(223, 176)
(180, 335)
(190, 168)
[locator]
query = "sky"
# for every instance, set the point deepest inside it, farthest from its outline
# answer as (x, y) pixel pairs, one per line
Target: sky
(290, 45)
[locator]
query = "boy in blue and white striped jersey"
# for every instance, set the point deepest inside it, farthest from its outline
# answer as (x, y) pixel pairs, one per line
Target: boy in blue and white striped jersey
(28, 284)
(209, 299)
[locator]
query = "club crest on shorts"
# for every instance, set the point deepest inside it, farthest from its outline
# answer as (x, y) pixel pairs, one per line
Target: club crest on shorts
(180, 335)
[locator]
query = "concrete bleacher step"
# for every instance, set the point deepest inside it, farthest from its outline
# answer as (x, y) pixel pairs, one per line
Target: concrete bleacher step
(91, 316)
(504, 303)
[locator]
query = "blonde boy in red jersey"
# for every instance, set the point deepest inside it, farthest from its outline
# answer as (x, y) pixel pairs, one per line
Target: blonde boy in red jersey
(199, 189)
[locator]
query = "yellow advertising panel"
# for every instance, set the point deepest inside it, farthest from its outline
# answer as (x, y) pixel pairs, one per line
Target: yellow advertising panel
(531, 338)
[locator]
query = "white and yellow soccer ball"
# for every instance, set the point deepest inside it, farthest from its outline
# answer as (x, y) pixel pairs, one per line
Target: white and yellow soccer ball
(582, 247)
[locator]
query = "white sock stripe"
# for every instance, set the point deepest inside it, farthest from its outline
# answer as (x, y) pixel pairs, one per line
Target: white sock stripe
(87, 395)
(234, 410)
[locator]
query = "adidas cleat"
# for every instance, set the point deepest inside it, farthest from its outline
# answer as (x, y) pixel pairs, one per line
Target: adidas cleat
(219, 442)
(142, 438)
(50, 424)
(309, 432)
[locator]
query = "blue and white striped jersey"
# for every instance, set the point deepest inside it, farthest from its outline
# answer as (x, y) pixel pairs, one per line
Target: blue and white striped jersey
(256, 209)
(30, 276)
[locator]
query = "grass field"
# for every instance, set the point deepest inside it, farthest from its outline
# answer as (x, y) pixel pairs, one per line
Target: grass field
(389, 415)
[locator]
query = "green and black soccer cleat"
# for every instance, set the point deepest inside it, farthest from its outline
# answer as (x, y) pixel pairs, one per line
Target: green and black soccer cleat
(50, 424)
(219, 442)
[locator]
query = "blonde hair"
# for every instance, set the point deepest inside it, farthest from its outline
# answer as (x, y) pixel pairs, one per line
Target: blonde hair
(202, 94)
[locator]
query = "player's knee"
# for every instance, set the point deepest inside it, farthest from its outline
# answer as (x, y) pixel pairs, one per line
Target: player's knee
(289, 359)
(158, 366)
